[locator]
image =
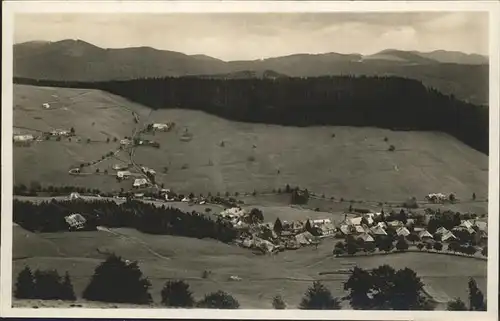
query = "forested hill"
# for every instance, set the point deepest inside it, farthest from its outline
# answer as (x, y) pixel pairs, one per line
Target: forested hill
(386, 102)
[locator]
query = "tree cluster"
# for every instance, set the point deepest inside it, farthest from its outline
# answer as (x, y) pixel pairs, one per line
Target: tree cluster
(384, 288)
(43, 285)
(147, 218)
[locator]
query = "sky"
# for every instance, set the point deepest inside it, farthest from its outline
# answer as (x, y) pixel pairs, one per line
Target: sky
(245, 36)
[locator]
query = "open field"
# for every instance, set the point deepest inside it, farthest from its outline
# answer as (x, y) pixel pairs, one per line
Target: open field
(355, 164)
(288, 273)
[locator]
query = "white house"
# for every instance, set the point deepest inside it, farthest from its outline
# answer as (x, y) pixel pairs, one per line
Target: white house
(402, 231)
(366, 237)
(125, 142)
(123, 174)
(425, 235)
(378, 230)
(467, 224)
(395, 223)
(160, 126)
(74, 196)
(448, 236)
(441, 230)
(75, 221)
(46, 105)
(59, 132)
(140, 182)
(23, 138)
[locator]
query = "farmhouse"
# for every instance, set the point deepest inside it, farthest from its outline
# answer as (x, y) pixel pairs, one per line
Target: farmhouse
(23, 138)
(482, 226)
(378, 230)
(448, 236)
(402, 231)
(60, 132)
(75, 221)
(46, 105)
(436, 197)
(425, 235)
(120, 167)
(441, 230)
(147, 171)
(395, 224)
(467, 224)
(74, 196)
(125, 142)
(366, 237)
(140, 182)
(123, 174)
(160, 126)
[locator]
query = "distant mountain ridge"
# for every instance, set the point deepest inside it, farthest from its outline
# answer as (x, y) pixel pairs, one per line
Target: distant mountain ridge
(460, 74)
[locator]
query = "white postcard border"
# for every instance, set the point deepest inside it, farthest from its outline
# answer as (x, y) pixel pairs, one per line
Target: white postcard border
(10, 8)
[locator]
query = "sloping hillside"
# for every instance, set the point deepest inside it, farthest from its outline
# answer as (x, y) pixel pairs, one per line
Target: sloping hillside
(465, 76)
(355, 164)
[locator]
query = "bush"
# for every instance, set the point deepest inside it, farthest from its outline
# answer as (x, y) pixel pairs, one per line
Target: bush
(484, 252)
(279, 303)
(428, 246)
(392, 148)
(318, 297)
(420, 246)
(457, 305)
(251, 158)
(401, 244)
(218, 300)
(177, 294)
(116, 280)
(386, 139)
(438, 246)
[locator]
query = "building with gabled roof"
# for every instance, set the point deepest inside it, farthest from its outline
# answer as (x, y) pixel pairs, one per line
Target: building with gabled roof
(425, 235)
(366, 237)
(75, 221)
(402, 231)
(378, 230)
(448, 236)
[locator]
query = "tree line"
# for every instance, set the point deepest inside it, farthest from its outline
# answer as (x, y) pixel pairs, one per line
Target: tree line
(386, 102)
(147, 218)
(382, 288)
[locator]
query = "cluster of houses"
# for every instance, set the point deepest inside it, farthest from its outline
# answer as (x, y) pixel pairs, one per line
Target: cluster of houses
(268, 238)
(367, 228)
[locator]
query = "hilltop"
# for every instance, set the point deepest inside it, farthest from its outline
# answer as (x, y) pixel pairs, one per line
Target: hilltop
(465, 76)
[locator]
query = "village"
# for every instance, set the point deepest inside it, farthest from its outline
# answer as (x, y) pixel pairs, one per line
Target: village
(360, 230)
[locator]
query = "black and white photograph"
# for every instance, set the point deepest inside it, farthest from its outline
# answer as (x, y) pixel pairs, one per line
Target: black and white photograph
(231, 160)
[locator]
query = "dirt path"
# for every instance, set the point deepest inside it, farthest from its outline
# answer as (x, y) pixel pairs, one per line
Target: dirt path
(134, 240)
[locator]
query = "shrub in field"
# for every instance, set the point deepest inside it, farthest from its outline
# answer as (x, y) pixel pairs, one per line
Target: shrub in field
(391, 148)
(116, 280)
(318, 297)
(177, 294)
(279, 303)
(218, 300)
(457, 305)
